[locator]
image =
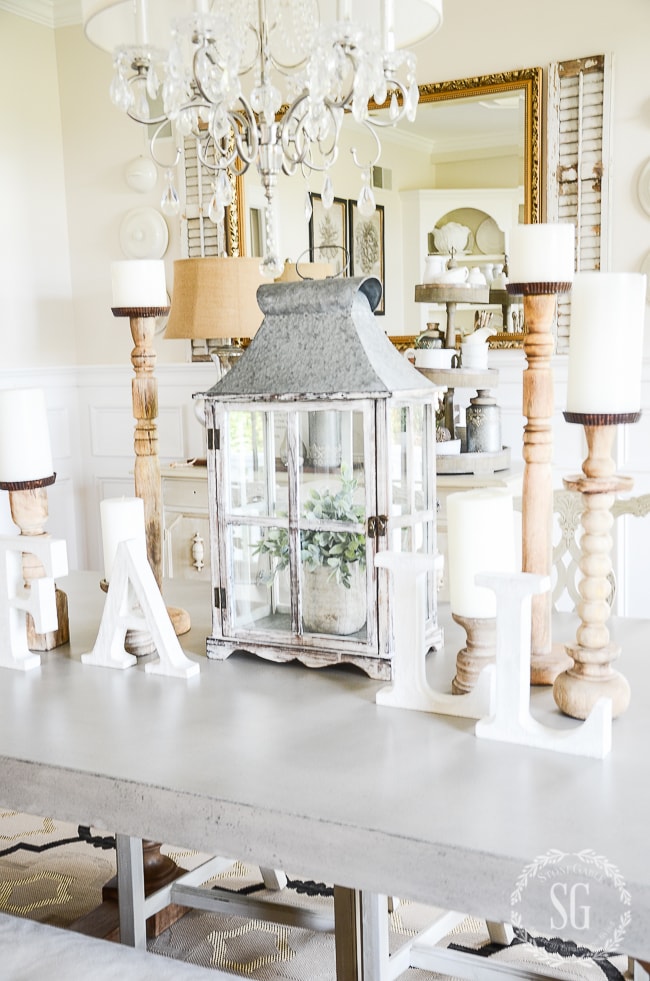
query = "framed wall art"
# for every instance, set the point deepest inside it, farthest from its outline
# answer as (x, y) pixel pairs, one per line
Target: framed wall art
(328, 234)
(367, 247)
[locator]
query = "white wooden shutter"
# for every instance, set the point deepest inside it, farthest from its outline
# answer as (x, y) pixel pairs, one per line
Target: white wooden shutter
(578, 164)
(199, 235)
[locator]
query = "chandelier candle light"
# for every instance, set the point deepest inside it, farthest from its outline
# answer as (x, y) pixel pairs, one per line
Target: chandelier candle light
(541, 265)
(26, 471)
(604, 390)
(140, 293)
(480, 539)
(263, 82)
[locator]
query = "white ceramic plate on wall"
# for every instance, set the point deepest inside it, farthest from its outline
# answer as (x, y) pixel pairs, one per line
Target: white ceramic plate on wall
(645, 268)
(644, 188)
(144, 234)
(489, 237)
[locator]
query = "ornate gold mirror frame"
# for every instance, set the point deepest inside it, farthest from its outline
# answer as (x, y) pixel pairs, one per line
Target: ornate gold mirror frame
(526, 80)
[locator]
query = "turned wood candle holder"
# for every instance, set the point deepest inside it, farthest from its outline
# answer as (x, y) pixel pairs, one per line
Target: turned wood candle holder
(480, 651)
(539, 301)
(147, 479)
(577, 689)
(29, 511)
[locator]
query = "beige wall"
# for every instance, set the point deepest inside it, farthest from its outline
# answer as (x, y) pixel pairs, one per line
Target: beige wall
(36, 321)
(65, 166)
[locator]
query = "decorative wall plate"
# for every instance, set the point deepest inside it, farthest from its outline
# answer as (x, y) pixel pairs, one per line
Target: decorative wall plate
(644, 188)
(645, 268)
(490, 239)
(144, 234)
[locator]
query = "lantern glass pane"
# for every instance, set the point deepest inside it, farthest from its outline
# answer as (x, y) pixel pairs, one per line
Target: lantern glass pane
(407, 458)
(411, 428)
(247, 458)
(332, 516)
(257, 456)
(259, 562)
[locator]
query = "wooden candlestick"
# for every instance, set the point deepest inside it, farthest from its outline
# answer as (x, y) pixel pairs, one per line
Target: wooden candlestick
(539, 301)
(29, 511)
(578, 689)
(148, 484)
(479, 652)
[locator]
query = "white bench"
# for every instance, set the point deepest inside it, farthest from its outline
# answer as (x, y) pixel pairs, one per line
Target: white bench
(31, 951)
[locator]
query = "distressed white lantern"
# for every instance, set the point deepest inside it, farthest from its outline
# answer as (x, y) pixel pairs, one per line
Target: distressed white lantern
(321, 453)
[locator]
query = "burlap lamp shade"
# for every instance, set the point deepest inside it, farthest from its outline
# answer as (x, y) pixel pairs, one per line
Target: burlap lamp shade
(304, 270)
(215, 298)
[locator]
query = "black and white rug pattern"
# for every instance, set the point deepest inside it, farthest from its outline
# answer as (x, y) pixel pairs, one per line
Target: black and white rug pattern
(53, 872)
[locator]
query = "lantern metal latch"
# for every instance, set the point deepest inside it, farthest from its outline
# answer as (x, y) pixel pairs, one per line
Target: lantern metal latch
(214, 439)
(377, 526)
(220, 598)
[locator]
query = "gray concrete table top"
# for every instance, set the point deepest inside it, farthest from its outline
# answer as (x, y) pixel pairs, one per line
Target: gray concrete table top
(295, 768)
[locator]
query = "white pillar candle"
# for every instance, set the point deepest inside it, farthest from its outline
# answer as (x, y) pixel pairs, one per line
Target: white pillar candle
(606, 342)
(480, 538)
(122, 518)
(541, 253)
(25, 452)
(139, 283)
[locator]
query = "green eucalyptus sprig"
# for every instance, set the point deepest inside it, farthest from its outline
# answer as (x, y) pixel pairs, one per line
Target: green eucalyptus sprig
(335, 550)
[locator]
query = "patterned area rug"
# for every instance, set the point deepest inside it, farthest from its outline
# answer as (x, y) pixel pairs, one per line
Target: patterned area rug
(53, 872)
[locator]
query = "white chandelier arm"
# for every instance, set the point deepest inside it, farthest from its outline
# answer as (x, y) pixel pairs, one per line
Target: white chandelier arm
(372, 160)
(298, 142)
(153, 148)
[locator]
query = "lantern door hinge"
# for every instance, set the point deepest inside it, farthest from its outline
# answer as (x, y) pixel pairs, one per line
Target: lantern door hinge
(377, 526)
(219, 597)
(214, 439)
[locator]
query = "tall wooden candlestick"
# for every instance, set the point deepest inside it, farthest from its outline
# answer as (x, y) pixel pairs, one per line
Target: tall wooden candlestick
(591, 676)
(147, 479)
(537, 494)
(29, 511)
(603, 390)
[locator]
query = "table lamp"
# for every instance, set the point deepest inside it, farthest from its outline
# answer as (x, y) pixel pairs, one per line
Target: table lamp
(293, 272)
(214, 299)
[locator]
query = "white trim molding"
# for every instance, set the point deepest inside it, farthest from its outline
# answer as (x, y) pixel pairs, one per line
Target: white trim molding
(49, 13)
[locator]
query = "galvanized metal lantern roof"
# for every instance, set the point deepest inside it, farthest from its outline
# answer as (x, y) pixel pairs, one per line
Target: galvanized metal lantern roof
(319, 339)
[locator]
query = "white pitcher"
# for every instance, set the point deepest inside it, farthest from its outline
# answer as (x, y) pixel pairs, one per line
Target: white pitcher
(434, 266)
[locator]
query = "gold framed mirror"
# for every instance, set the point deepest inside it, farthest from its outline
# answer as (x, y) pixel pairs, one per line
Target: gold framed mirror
(491, 92)
(439, 150)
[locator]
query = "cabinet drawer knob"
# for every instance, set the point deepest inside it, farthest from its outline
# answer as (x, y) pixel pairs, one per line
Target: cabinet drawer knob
(198, 552)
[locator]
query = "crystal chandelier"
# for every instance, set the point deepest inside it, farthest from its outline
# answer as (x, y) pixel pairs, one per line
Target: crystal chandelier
(263, 82)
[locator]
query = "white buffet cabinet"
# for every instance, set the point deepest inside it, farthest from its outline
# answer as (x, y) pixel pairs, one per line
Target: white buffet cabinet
(186, 527)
